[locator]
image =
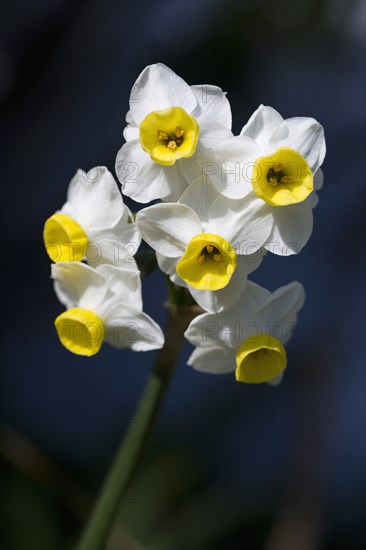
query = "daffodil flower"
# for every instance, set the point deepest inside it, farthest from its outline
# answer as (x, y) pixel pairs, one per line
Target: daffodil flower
(94, 224)
(249, 337)
(102, 305)
(171, 130)
(279, 162)
(206, 244)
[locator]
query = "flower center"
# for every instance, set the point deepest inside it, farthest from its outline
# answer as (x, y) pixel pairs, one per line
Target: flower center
(210, 252)
(260, 359)
(173, 140)
(208, 262)
(282, 178)
(168, 135)
(81, 331)
(276, 174)
(65, 240)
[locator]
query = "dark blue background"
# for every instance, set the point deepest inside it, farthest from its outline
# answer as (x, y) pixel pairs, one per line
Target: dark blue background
(66, 72)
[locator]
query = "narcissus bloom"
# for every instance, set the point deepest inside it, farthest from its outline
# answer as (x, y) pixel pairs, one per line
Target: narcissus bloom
(103, 305)
(249, 337)
(206, 244)
(278, 161)
(94, 223)
(171, 130)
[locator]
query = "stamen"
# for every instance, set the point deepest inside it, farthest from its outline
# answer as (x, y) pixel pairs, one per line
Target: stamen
(208, 252)
(162, 135)
(172, 141)
(276, 175)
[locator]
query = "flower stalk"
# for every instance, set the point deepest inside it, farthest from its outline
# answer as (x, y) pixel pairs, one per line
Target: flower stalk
(135, 441)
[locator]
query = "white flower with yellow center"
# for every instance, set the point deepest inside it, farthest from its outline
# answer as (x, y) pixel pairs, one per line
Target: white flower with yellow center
(103, 305)
(278, 161)
(205, 244)
(94, 224)
(249, 337)
(171, 130)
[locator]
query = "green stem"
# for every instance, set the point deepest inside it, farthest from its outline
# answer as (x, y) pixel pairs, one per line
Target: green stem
(128, 455)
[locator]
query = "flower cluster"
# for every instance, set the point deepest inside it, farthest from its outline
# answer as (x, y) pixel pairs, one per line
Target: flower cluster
(225, 202)
(93, 240)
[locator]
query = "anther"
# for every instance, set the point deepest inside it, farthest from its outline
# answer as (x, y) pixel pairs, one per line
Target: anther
(172, 145)
(217, 257)
(162, 135)
(209, 248)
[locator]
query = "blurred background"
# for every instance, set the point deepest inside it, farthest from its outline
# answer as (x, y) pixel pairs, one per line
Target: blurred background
(229, 465)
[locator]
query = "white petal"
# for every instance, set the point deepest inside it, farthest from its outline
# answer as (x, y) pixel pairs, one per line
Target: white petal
(261, 124)
(129, 119)
(213, 133)
(251, 262)
(192, 168)
(69, 209)
(231, 172)
(111, 252)
(141, 178)
(174, 277)
(126, 327)
(231, 326)
(168, 227)
(277, 314)
(180, 183)
(219, 300)
(158, 87)
(199, 196)
(255, 296)
(318, 179)
(96, 199)
(292, 227)
(245, 223)
(124, 283)
(205, 160)
(314, 199)
(197, 333)
(213, 360)
(131, 132)
(168, 266)
(277, 380)
(306, 136)
(212, 104)
(126, 231)
(278, 137)
(77, 284)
